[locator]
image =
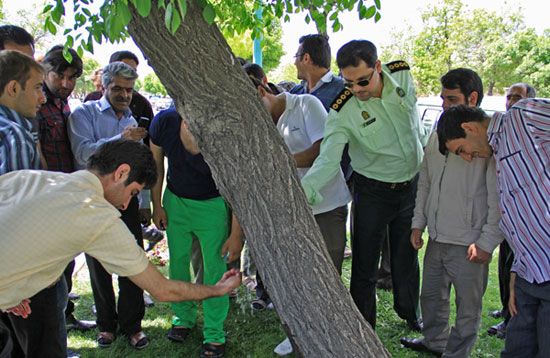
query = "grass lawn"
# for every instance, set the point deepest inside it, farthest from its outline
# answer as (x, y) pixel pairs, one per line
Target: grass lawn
(253, 334)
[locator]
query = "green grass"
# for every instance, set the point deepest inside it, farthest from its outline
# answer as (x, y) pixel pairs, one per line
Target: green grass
(253, 334)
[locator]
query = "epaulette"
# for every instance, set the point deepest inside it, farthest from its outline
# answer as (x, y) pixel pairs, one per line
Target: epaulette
(398, 66)
(341, 99)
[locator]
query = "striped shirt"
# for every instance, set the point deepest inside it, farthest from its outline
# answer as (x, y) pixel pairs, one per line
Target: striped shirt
(17, 147)
(521, 143)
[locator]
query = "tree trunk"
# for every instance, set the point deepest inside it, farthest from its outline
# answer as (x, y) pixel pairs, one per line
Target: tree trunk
(256, 174)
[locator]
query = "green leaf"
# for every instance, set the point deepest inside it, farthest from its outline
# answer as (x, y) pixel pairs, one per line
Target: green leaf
(183, 8)
(168, 16)
(80, 51)
(87, 12)
(377, 3)
(334, 16)
(209, 14)
(176, 21)
(47, 8)
(51, 28)
(58, 11)
(66, 31)
(370, 12)
(144, 7)
(66, 52)
(307, 19)
(336, 26)
(377, 17)
(124, 12)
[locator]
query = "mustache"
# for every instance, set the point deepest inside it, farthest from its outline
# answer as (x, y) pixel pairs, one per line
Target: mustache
(122, 99)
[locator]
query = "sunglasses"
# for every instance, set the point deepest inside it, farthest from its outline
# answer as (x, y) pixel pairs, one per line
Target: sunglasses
(361, 83)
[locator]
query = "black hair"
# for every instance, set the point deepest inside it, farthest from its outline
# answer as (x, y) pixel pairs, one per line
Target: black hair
(110, 155)
(352, 53)
(123, 55)
(466, 80)
(54, 61)
(17, 66)
(318, 49)
(257, 83)
(449, 126)
(254, 70)
(15, 34)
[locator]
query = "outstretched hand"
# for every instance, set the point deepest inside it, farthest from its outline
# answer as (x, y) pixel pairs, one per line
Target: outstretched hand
(23, 309)
(229, 281)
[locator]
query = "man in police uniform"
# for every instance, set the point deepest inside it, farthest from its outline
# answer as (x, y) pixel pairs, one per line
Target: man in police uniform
(377, 116)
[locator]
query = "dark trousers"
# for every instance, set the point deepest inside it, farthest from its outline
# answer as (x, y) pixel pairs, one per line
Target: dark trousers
(378, 209)
(68, 273)
(130, 300)
(505, 261)
(38, 333)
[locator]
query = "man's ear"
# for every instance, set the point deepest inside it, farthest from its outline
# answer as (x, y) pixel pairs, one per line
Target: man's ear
(12, 88)
(306, 58)
(121, 173)
(262, 91)
(472, 99)
(470, 127)
(378, 66)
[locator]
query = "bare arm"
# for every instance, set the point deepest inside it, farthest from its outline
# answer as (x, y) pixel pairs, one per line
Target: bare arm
(306, 158)
(159, 215)
(187, 139)
(165, 290)
(234, 243)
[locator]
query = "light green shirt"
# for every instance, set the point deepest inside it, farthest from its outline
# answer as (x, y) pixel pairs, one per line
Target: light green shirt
(385, 136)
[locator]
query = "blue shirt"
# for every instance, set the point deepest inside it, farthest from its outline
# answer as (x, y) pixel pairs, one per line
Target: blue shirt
(92, 124)
(17, 146)
(521, 145)
(188, 175)
(327, 89)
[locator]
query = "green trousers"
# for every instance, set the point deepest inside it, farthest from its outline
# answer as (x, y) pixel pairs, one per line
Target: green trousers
(208, 220)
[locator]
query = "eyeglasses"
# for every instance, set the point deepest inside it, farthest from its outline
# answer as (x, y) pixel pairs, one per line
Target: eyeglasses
(361, 83)
(299, 55)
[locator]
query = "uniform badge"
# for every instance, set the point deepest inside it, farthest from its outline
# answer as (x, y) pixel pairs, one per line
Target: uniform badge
(365, 115)
(400, 92)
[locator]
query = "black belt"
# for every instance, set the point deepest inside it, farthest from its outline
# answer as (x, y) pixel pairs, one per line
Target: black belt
(389, 186)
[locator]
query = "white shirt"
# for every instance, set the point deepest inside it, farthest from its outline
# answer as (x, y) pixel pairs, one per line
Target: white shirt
(302, 124)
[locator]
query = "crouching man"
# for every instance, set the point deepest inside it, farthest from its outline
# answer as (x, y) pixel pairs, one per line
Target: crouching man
(70, 214)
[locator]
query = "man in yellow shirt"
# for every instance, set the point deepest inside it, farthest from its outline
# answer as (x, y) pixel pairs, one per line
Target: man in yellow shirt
(66, 214)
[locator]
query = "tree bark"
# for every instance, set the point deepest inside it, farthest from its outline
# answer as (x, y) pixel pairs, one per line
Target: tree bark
(257, 176)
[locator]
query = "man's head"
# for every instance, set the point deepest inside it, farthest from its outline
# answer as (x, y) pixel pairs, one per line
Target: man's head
(96, 79)
(361, 69)
(125, 167)
(517, 92)
(268, 98)
(462, 130)
(118, 81)
(16, 38)
(314, 51)
(256, 71)
(61, 75)
(127, 57)
(21, 83)
(461, 86)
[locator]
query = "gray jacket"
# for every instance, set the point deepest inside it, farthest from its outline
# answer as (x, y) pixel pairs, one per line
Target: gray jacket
(457, 200)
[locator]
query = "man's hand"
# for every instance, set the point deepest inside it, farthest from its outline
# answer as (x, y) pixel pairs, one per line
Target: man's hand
(233, 245)
(133, 132)
(159, 218)
(187, 139)
(230, 280)
(478, 255)
(416, 239)
(22, 309)
(512, 300)
(145, 216)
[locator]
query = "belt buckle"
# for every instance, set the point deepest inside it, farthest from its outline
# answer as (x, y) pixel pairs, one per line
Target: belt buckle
(393, 185)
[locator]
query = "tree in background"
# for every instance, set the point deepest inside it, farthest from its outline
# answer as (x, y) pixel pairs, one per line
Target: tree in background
(151, 84)
(532, 52)
(84, 83)
(250, 163)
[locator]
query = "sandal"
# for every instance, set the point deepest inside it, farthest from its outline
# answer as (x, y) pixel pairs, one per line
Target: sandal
(139, 340)
(210, 350)
(105, 339)
(258, 304)
(178, 334)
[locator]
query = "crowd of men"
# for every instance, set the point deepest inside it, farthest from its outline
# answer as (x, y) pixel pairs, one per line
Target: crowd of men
(474, 184)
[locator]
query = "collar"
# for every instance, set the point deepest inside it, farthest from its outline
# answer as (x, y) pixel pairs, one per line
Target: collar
(104, 105)
(327, 78)
(15, 117)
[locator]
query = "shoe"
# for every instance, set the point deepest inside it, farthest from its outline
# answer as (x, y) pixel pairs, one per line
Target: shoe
(416, 325)
(82, 326)
(178, 334)
(284, 348)
(498, 330)
(94, 310)
(347, 253)
(105, 339)
(147, 300)
(417, 345)
(258, 304)
(73, 296)
(495, 314)
(385, 284)
(72, 354)
(210, 350)
(152, 235)
(139, 341)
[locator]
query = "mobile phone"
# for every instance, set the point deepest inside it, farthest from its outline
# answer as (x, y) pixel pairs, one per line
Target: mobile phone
(143, 122)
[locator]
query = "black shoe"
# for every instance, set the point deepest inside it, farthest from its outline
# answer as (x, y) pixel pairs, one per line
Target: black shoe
(416, 325)
(82, 326)
(495, 314)
(498, 330)
(417, 345)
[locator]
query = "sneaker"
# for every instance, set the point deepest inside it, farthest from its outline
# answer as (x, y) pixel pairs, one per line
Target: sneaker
(284, 348)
